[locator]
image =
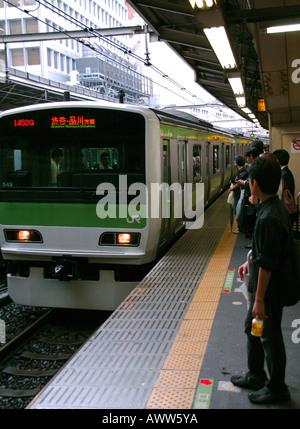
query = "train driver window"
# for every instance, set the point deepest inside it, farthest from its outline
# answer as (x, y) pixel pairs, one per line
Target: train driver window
(197, 172)
(216, 161)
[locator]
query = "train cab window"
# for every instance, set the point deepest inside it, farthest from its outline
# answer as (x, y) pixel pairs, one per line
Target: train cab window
(216, 159)
(197, 171)
(71, 148)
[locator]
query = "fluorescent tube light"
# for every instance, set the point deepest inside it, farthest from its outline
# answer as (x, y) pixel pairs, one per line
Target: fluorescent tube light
(200, 3)
(246, 110)
(236, 85)
(219, 41)
(283, 28)
(241, 101)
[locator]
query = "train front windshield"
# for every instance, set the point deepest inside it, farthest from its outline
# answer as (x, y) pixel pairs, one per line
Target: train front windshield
(70, 149)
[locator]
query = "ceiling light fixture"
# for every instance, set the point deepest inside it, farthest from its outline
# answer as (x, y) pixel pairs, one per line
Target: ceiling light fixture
(236, 85)
(218, 39)
(202, 4)
(241, 101)
(282, 28)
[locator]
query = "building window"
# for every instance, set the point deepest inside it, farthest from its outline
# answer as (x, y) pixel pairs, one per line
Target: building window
(49, 57)
(56, 60)
(62, 62)
(2, 28)
(33, 55)
(13, 3)
(15, 26)
(31, 26)
(17, 57)
(2, 57)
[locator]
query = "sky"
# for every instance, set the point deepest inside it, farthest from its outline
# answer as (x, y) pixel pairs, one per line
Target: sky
(166, 60)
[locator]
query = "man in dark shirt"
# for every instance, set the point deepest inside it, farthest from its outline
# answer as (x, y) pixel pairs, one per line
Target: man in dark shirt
(272, 239)
(287, 177)
(241, 175)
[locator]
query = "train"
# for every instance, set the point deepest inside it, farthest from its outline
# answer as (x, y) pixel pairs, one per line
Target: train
(77, 196)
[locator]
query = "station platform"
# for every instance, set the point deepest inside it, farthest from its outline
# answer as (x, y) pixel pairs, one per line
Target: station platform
(178, 337)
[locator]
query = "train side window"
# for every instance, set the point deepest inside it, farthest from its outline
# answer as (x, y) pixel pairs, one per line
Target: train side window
(227, 155)
(182, 168)
(166, 162)
(197, 170)
(216, 159)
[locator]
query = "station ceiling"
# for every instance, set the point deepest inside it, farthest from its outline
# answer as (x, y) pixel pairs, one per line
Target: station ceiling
(267, 62)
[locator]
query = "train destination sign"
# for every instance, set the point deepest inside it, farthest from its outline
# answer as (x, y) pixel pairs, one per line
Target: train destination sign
(72, 122)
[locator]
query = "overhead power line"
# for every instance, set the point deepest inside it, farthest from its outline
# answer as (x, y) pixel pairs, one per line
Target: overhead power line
(96, 33)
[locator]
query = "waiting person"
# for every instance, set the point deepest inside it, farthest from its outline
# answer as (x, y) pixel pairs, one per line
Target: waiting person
(248, 215)
(251, 154)
(242, 174)
(259, 145)
(287, 178)
(271, 244)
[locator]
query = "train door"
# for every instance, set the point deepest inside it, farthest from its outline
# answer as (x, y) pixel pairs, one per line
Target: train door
(206, 175)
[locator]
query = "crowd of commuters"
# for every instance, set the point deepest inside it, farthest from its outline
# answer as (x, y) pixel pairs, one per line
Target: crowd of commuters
(269, 268)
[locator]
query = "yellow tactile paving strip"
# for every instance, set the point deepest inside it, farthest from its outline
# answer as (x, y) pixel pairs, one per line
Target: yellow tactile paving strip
(177, 382)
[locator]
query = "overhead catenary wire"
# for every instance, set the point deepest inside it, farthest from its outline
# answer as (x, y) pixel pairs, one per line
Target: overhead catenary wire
(108, 40)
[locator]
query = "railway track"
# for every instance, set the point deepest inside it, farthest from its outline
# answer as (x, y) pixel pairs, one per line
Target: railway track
(33, 357)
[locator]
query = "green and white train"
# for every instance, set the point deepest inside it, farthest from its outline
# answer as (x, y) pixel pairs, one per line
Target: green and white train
(56, 162)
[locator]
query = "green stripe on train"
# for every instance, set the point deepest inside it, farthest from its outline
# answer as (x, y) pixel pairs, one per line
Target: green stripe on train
(60, 214)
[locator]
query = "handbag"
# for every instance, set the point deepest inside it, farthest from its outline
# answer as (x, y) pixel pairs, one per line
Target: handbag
(230, 199)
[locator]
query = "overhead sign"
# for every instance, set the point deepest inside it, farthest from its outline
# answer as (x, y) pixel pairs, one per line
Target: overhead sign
(295, 145)
(261, 107)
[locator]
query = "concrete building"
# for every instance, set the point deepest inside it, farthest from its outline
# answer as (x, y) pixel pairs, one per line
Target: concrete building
(67, 57)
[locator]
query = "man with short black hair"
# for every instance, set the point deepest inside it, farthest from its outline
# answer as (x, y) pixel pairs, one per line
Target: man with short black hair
(271, 247)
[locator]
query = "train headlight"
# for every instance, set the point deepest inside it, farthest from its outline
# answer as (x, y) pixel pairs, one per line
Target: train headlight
(120, 239)
(22, 236)
(123, 238)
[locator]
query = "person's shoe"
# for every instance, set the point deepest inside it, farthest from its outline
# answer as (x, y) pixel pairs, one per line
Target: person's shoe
(236, 231)
(266, 396)
(246, 382)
